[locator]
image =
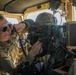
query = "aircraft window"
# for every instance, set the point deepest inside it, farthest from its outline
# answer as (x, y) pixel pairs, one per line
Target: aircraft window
(74, 13)
(60, 19)
(12, 20)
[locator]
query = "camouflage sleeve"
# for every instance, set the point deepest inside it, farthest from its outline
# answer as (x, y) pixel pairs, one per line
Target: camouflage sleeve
(6, 64)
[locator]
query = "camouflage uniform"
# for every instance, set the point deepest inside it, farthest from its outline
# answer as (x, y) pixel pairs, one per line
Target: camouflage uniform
(48, 19)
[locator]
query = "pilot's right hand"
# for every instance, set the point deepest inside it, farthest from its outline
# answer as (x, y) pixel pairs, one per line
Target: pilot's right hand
(35, 49)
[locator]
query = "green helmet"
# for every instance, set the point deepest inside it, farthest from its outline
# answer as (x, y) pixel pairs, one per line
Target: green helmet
(46, 18)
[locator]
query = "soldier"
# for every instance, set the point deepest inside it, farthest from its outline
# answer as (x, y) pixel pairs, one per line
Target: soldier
(48, 19)
(43, 19)
(7, 41)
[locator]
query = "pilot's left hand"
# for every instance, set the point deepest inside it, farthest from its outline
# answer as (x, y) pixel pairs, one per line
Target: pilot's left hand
(19, 27)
